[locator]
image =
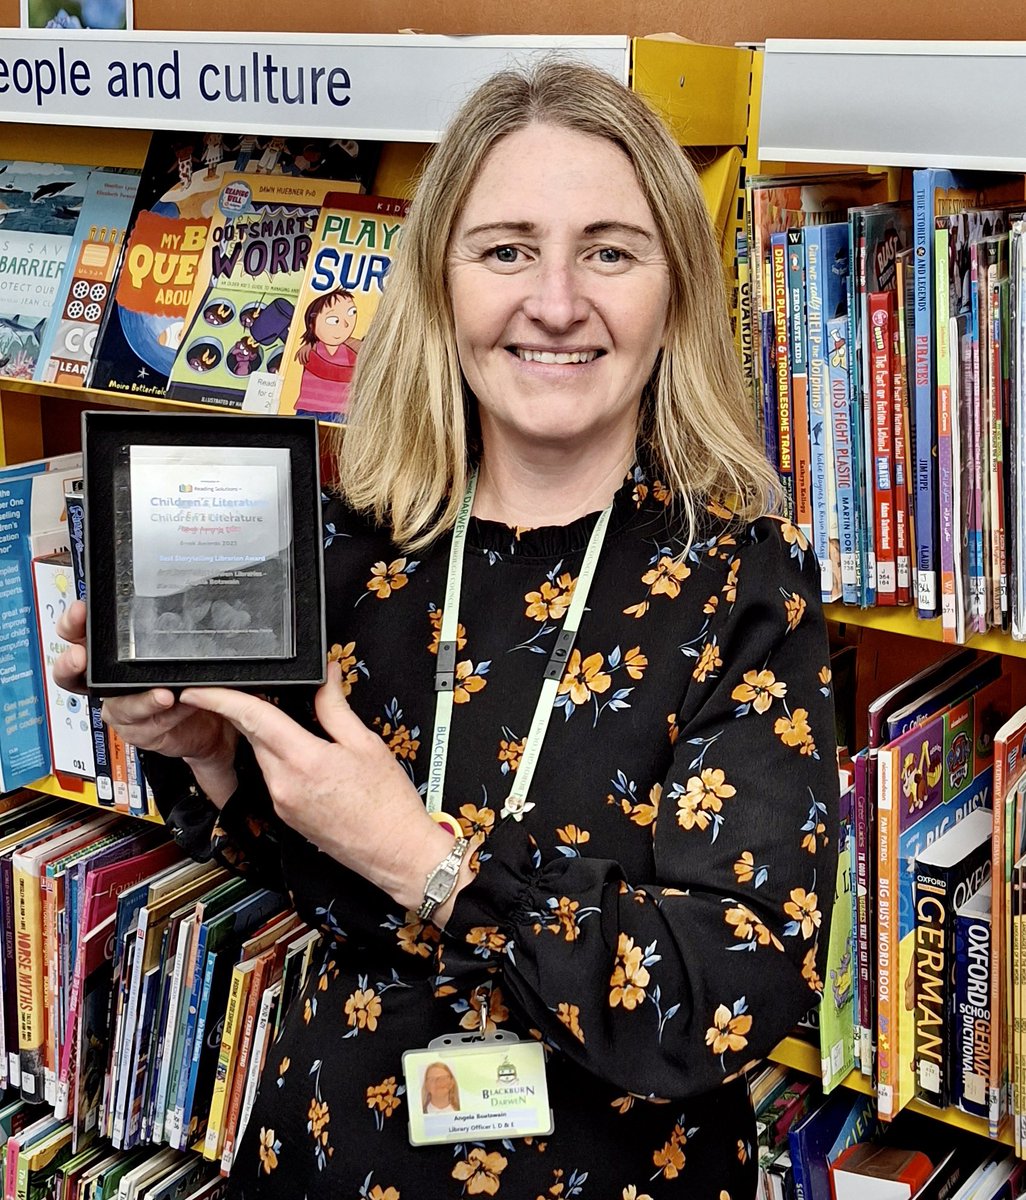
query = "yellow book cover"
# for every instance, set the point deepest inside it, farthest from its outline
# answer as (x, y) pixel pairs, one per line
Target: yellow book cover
(345, 277)
(231, 1039)
(251, 269)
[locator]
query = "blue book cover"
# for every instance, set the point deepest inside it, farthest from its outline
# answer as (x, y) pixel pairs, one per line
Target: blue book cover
(845, 465)
(826, 271)
(31, 524)
(972, 1029)
(798, 350)
(87, 280)
(39, 207)
(839, 1122)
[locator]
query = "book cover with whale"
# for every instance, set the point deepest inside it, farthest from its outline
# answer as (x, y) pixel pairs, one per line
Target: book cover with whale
(39, 208)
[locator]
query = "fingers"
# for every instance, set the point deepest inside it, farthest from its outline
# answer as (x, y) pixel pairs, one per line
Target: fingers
(69, 669)
(334, 715)
(266, 727)
(71, 625)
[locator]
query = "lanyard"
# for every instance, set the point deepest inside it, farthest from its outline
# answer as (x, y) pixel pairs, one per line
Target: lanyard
(445, 675)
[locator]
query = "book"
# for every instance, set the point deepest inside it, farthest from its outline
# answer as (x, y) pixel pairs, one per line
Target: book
(929, 777)
(842, 1119)
(836, 1014)
(74, 504)
(160, 259)
(39, 207)
(87, 280)
(345, 277)
(32, 523)
(1009, 769)
(797, 351)
(974, 1031)
(67, 713)
(249, 276)
(873, 1172)
(950, 870)
(845, 465)
(880, 336)
(826, 266)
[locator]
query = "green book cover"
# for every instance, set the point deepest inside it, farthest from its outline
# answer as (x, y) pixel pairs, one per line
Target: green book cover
(837, 1007)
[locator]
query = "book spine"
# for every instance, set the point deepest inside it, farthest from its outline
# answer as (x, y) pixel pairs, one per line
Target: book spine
(261, 1045)
(932, 915)
(998, 944)
(843, 466)
(973, 1027)
(127, 1056)
(880, 350)
(28, 934)
(785, 440)
(863, 935)
(12, 1015)
(227, 1057)
(170, 1033)
(799, 381)
(887, 983)
(119, 771)
(48, 941)
(978, 591)
(925, 413)
(902, 524)
(174, 1128)
(945, 472)
(998, 524)
(817, 405)
(261, 975)
(74, 504)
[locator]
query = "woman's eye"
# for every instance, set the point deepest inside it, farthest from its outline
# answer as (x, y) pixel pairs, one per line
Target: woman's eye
(610, 254)
(505, 254)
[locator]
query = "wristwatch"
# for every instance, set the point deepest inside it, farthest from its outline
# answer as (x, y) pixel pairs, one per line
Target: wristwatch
(441, 882)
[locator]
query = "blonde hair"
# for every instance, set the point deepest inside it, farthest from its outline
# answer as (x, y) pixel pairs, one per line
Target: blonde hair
(454, 1087)
(407, 451)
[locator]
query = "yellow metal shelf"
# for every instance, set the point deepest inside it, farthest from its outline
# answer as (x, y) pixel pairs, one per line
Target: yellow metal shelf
(801, 1056)
(52, 786)
(905, 622)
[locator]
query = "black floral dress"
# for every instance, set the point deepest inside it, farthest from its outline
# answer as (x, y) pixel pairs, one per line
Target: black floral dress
(658, 918)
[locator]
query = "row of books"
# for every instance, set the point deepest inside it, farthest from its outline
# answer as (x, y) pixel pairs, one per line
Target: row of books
(45, 729)
(887, 341)
(924, 985)
(240, 277)
(39, 1161)
(816, 1147)
(140, 993)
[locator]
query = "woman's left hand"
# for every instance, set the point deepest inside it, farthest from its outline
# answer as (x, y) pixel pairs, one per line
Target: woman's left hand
(347, 796)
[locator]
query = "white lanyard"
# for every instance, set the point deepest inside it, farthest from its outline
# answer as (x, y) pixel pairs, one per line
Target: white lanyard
(445, 674)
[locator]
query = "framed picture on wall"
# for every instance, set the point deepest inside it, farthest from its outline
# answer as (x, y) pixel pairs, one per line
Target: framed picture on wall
(76, 14)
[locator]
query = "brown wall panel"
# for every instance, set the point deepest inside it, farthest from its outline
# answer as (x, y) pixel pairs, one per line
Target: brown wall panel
(720, 23)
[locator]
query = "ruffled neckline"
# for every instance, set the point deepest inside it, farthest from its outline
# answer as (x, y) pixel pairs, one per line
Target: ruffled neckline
(638, 496)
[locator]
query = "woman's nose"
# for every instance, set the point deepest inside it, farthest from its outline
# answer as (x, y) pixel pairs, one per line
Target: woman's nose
(556, 298)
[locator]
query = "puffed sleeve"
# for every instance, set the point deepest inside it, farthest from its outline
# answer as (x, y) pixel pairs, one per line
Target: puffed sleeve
(666, 987)
(243, 835)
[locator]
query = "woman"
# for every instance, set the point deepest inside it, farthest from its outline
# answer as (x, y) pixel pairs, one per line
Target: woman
(441, 1092)
(651, 901)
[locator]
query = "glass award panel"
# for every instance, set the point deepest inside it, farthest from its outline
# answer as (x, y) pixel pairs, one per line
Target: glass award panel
(203, 553)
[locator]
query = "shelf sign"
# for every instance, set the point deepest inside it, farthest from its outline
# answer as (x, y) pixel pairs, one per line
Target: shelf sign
(399, 88)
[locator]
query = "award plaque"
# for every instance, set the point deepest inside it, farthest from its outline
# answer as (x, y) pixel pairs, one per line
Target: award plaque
(203, 550)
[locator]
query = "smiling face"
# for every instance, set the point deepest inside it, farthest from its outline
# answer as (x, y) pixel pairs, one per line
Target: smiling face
(559, 289)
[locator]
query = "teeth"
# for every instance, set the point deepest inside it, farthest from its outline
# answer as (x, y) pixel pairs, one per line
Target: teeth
(549, 356)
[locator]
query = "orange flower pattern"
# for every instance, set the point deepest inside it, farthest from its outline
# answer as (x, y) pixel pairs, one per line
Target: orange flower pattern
(658, 914)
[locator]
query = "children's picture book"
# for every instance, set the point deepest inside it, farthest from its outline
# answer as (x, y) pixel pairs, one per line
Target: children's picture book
(88, 278)
(39, 209)
(346, 274)
(837, 1007)
(249, 276)
(179, 184)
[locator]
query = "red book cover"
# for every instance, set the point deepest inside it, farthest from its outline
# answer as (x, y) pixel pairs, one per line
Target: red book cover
(902, 535)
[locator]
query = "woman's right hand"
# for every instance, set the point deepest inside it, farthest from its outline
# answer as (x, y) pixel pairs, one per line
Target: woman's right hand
(155, 720)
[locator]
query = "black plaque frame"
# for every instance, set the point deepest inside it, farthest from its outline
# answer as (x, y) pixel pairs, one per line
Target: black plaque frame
(104, 434)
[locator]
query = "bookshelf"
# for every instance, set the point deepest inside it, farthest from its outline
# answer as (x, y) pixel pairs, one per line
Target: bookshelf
(817, 105)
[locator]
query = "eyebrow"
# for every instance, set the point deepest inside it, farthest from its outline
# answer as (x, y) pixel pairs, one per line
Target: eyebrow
(528, 227)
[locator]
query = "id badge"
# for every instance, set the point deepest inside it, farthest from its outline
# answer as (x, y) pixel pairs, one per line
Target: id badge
(467, 1088)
